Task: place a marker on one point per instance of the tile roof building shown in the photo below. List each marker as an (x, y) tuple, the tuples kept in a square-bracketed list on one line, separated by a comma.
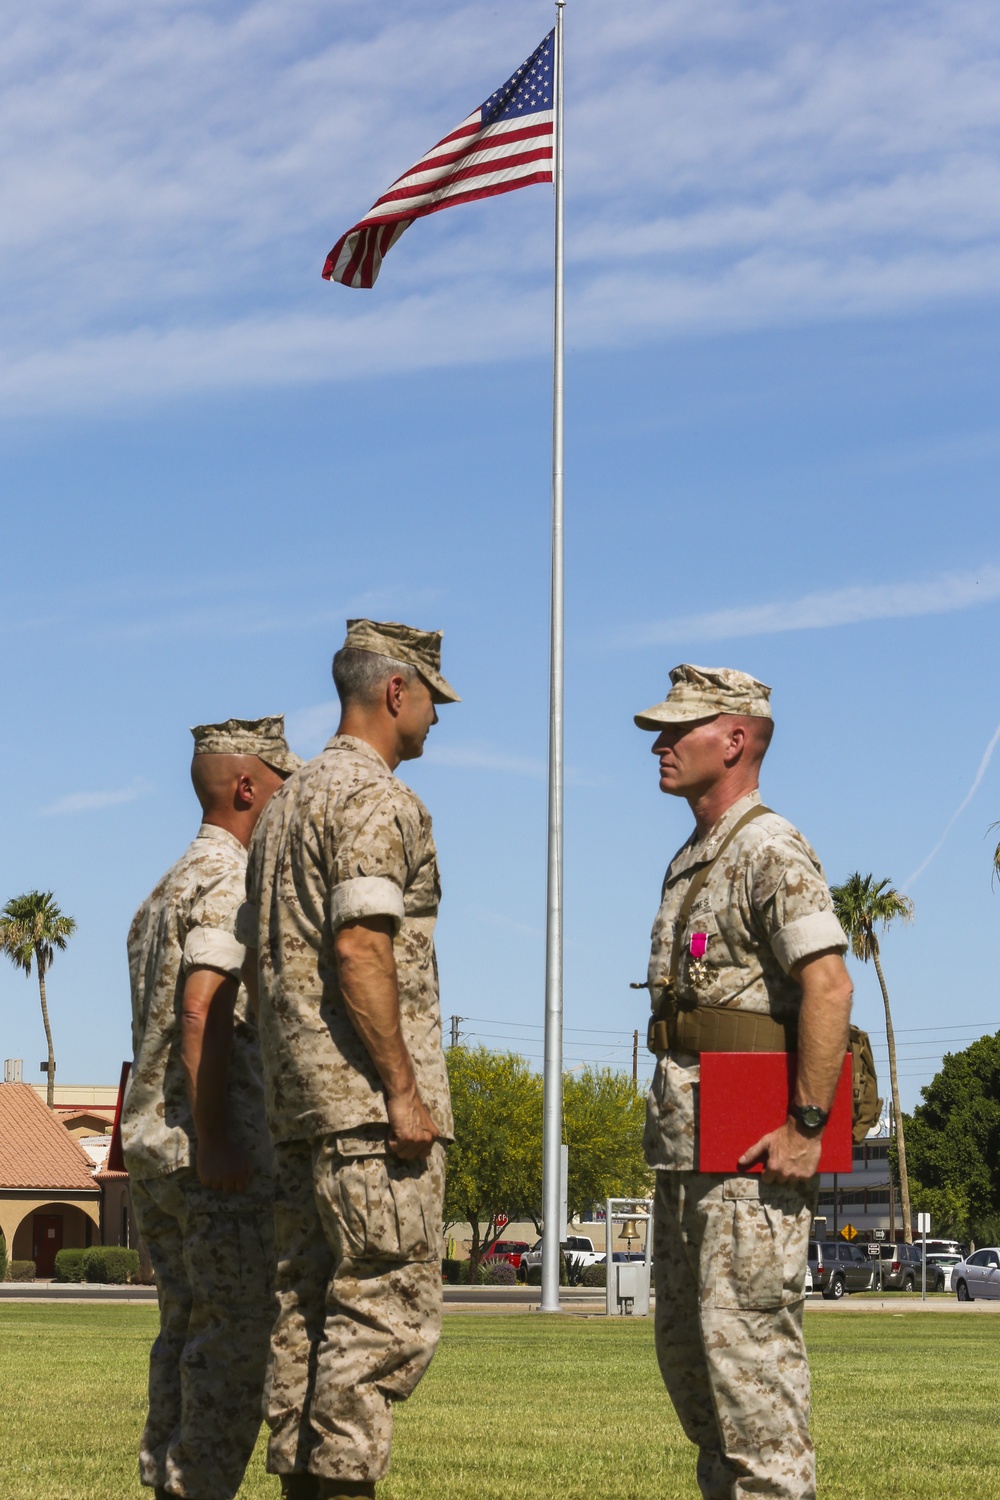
[(49, 1199), (84, 1109)]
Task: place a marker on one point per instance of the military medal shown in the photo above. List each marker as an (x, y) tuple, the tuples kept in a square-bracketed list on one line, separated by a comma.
[(697, 967)]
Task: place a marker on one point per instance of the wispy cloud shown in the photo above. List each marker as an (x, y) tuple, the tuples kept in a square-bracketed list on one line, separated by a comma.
[(481, 758), (849, 606), (80, 802), (500, 919), (960, 809), (798, 162), (308, 729)]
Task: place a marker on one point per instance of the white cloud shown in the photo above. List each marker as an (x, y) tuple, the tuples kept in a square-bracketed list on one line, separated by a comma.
[(78, 802), (480, 758), (849, 606), (175, 174), (308, 729), (960, 809)]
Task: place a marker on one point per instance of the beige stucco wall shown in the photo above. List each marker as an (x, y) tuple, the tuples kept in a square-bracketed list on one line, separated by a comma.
[(15, 1222)]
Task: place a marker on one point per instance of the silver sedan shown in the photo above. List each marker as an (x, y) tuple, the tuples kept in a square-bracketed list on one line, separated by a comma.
[(978, 1275)]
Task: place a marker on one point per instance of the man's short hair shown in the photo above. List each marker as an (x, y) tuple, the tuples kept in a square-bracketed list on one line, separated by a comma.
[(765, 731), (358, 675)]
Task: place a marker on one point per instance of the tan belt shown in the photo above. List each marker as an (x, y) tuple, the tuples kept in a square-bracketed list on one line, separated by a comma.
[(713, 1028)]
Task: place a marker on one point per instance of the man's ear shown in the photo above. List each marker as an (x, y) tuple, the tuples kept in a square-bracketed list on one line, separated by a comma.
[(246, 792), (738, 739), (394, 689)]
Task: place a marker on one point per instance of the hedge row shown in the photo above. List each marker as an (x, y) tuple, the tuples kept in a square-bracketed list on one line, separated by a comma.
[(21, 1270), (109, 1264)]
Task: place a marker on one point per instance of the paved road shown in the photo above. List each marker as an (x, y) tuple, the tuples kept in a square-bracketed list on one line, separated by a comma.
[(583, 1301), (869, 1303)]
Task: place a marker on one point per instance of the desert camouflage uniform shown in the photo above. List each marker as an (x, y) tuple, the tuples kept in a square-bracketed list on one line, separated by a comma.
[(213, 1254), (359, 1231), (730, 1252)]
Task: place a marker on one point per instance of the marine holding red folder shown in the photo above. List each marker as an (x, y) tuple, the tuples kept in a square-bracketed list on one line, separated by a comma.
[(750, 1009)]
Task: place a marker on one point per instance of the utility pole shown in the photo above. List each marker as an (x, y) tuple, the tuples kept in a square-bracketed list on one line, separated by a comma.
[(454, 1029), (635, 1059)]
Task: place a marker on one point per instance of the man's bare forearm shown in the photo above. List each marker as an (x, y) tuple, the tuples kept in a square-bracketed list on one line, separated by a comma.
[(823, 1026), (206, 1042), (366, 968)]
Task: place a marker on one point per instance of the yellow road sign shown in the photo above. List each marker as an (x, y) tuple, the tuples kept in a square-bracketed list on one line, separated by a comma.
[(848, 1232)]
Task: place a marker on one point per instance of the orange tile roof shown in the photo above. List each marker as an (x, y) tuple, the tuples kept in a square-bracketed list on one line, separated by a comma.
[(36, 1150)]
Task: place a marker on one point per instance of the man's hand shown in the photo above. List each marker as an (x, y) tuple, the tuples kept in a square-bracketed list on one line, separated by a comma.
[(366, 968), (412, 1132), (224, 1166), (789, 1154)]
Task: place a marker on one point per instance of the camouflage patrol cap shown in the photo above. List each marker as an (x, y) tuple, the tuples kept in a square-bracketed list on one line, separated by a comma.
[(703, 692), (418, 648), (264, 738)]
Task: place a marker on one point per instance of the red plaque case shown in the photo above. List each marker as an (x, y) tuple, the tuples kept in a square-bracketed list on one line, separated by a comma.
[(743, 1095)]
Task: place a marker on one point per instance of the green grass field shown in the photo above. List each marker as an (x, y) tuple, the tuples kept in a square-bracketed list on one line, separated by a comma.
[(523, 1406)]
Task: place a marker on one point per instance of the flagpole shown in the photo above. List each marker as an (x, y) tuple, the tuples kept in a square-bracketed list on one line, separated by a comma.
[(552, 1109)]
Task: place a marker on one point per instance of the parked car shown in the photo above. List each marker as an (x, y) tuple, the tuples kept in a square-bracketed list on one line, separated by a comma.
[(512, 1251), (978, 1275), (838, 1267), (809, 1282), (577, 1250), (900, 1267), (945, 1247), (939, 1269)]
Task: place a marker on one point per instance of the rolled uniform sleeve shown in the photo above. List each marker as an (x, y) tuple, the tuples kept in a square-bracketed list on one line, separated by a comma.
[(365, 896), (211, 941), (213, 948), (793, 902), (377, 849)]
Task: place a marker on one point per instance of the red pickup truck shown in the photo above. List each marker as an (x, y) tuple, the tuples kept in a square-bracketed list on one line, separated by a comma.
[(510, 1251)]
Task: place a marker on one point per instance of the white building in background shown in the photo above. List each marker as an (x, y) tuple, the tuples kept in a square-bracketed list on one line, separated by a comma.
[(861, 1197)]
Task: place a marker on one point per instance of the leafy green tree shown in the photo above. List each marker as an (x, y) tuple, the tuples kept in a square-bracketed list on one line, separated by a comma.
[(953, 1144), (862, 903), (31, 929), (603, 1118), (495, 1165)]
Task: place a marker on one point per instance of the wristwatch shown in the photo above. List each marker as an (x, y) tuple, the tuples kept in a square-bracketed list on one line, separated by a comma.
[(809, 1116)]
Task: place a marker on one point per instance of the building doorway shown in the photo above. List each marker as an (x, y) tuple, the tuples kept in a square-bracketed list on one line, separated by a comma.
[(46, 1242)]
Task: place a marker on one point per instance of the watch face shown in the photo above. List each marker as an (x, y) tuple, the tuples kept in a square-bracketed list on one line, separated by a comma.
[(811, 1116)]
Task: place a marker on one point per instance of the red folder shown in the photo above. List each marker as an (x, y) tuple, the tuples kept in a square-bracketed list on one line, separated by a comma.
[(744, 1095)]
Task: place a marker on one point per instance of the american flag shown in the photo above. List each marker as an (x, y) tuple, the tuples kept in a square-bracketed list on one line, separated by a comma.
[(505, 144)]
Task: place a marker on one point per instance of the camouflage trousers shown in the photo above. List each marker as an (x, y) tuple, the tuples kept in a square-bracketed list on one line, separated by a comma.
[(729, 1258), (213, 1256), (359, 1291)]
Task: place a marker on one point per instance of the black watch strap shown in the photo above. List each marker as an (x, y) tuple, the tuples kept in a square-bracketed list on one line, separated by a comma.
[(809, 1116)]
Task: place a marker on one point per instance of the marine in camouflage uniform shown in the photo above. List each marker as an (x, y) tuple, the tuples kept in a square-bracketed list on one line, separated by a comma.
[(358, 1224), (211, 1246), (730, 1251)]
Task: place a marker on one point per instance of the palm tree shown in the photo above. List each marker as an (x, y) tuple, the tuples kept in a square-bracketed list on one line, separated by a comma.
[(31, 928), (860, 903)]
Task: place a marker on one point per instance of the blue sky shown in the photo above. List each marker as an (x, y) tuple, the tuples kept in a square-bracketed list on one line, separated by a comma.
[(782, 442)]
